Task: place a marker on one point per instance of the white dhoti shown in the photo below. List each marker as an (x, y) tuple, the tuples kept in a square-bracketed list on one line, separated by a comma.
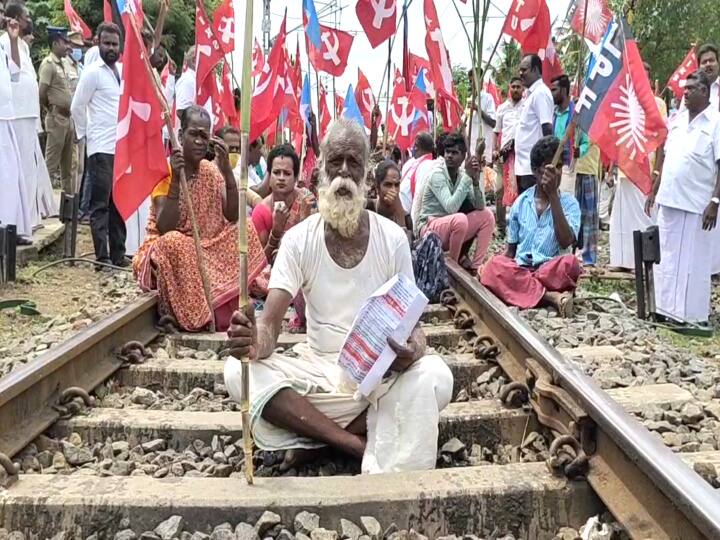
[(682, 279), (715, 240), (37, 180), (136, 227), (403, 413), (567, 180), (14, 205), (605, 202), (628, 215)]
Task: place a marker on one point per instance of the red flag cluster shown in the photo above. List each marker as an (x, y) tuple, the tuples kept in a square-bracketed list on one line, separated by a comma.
[(679, 78)]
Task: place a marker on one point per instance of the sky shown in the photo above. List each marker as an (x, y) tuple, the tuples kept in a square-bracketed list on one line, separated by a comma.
[(373, 62)]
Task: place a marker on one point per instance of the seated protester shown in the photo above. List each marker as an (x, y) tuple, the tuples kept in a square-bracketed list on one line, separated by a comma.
[(387, 203), (445, 192), (231, 136), (167, 260), (542, 224), (303, 400), (286, 206)]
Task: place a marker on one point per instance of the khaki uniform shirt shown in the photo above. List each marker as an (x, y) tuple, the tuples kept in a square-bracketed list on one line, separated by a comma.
[(54, 74), (73, 72)]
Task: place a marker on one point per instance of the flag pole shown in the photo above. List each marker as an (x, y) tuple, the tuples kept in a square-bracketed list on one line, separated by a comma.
[(245, 94), (475, 62), (183, 181), (387, 101)]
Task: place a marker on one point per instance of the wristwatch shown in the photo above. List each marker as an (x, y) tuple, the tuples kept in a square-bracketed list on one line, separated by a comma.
[(715, 200)]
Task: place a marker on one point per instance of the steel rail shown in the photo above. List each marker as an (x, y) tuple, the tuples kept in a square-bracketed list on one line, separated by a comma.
[(30, 395), (652, 492)]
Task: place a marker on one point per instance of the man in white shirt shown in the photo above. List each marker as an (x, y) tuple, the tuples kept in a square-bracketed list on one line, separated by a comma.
[(185, 85), (338, 257), (687, 191), (415, 170), (26, 123), (709, 62), (536, 118), (484, 123), (95, 110), (14, 207), (508, 115)]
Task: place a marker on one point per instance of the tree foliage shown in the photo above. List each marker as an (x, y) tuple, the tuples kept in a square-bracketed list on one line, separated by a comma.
[(506, 65), (462, 83), (178, 34)]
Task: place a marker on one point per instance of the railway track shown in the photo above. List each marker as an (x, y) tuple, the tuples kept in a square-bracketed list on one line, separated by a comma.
[(600, 457)]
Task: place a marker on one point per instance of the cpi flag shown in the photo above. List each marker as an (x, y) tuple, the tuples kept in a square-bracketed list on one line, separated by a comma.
[(617, 107), (679, 78), (139, 153), (377, 18), (595, 22)]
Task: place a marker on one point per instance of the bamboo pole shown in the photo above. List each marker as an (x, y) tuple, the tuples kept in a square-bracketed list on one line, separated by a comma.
[(183, 181), (244, 303), (475, 62), (387, 102)]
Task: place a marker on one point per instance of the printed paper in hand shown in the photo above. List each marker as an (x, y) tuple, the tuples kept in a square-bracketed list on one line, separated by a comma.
[(391, 311)]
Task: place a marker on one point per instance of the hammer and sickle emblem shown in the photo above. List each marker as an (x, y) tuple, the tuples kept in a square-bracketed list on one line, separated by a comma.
[(332, 46)]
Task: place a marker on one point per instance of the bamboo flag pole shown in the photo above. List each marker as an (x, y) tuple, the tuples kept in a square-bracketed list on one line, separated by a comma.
[(246, 96), (183, 181), (387, 102), (475, 62)]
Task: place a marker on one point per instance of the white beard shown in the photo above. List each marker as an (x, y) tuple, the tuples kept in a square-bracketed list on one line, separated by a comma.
[(341, 213)]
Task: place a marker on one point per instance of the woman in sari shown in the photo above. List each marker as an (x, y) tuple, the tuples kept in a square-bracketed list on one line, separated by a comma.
[(167, 260), (286, 206)]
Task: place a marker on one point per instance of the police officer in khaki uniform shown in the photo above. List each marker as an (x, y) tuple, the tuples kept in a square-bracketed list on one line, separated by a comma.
[(55, 98), (74, 66)]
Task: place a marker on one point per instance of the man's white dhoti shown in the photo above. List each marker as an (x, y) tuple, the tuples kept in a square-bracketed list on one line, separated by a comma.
[(715, 240), (682, 279), (403, 413), (628, 215), (37, 180), (136, 226), (14, 206)]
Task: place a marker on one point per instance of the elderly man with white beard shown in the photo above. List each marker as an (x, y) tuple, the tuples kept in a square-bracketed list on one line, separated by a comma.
[(303, 401)]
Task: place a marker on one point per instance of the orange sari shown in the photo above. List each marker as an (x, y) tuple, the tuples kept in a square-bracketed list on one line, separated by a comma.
[(168, 263)]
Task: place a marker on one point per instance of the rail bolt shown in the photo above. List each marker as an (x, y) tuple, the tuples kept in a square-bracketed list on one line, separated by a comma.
[(11, 471), (514, 394), (448, 298), (168, 324), (75, 391), (133, 352), (485, 348), (464, 320), (572, 464)]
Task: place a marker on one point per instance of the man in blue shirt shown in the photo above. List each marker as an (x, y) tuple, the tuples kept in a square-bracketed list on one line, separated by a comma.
[(538, 267)]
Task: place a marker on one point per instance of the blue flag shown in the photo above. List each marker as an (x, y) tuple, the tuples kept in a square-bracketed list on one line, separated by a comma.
[(305, 105), (312, 25), (351, 110)]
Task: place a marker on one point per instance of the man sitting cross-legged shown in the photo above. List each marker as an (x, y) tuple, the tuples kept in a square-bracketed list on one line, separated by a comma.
[(542, 224), (338, 258)]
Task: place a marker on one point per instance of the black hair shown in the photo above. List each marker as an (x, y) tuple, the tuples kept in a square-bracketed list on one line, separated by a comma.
[(515, 78), (424, 142), (396, 153), (382, 169), (193, 110), (284, 150), (708, 48), (257, 143), (56, 36), (454, 139), (543, 152), (535, 62), (701, 77), (563, 81), (108, 28), (440, 143), (15, 10), (227, 129)]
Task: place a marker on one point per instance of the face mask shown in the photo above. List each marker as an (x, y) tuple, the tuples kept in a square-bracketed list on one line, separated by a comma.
[(234, 158), (76, 54)]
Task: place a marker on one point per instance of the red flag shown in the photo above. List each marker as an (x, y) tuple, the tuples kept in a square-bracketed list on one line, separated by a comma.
[(258, 59), (617, 108), (208, 52), (266, 87), (520, 18), (596, 23), (107, 11), (493, 90), (365, 98), (401, 116), (224, 26), (332, 56), (339, 104), (228, 98), (679, 78), (377, 17), (76, 23), (440, 69), (324, 112), (139, 154), (399, 79)]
